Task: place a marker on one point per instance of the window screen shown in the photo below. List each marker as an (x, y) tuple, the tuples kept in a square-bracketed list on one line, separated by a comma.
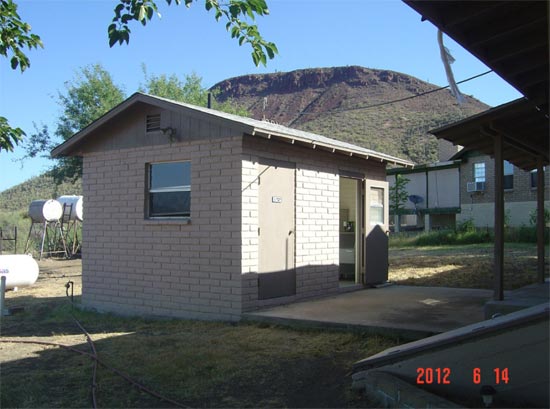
[(170, 189)]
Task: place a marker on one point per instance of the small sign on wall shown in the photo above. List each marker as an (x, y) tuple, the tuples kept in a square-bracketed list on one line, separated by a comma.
[(276, 199)]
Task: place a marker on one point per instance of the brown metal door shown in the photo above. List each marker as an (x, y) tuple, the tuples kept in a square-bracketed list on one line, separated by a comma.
[(276, 261)]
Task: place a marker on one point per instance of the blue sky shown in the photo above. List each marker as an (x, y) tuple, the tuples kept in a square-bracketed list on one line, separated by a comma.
[(384, 34)]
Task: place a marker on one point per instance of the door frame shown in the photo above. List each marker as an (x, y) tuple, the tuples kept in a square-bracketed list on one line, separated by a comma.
[(359, 222)]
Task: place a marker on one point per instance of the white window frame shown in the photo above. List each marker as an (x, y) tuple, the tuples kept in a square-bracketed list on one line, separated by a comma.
[(377, 206), (477, 176)]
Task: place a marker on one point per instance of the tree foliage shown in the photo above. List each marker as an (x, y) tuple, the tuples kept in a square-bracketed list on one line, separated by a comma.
[(15, 35), (87, 97), (398, 194), (9, 137), (234, 12), (190, 91), (91, 94)]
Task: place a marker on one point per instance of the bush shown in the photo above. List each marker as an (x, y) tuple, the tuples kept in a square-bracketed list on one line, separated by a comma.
[(465, 233), (466, 226), (523, 234), (533, 217)]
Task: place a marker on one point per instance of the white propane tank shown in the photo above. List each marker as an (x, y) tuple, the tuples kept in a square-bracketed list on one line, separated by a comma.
[(76, 201), (20, 270), (45, 210)]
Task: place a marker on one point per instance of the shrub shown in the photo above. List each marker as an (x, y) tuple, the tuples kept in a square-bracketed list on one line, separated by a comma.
[(466, 233), (533, 217), (466, 226), (523, 234)]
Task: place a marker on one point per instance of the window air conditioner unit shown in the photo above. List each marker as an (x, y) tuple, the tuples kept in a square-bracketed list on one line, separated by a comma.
[(475, 187)]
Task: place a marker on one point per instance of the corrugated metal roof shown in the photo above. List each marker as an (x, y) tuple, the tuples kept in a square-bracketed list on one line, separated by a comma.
[(252, 126)]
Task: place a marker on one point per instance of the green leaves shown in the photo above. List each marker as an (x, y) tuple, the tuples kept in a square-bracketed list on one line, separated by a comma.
[(127, 11), (236, 12), (9, 137), (398, 193), (190, 91), (15, 35)]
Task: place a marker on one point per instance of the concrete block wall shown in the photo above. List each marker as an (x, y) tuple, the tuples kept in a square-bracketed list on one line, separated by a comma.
[(519, 201), (483, 214), (317, 216), (132, 265)]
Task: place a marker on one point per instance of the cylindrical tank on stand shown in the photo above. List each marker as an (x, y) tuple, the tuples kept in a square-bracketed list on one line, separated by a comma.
[(76, 202), (41, 211), (20, 270)]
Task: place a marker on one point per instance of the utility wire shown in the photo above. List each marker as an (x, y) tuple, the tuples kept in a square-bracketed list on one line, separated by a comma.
[(396, 100)]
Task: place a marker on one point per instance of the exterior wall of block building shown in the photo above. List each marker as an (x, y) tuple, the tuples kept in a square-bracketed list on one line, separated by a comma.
[(316, 216), (204, 267), (519, 201)]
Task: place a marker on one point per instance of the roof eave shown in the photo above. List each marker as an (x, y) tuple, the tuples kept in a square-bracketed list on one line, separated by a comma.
[(333, 148)]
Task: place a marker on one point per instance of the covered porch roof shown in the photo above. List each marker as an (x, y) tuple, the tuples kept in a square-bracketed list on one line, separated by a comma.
[(524, 132), (510, 37)]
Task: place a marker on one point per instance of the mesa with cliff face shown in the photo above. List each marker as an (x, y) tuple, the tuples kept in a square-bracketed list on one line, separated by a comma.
[(352, 104)]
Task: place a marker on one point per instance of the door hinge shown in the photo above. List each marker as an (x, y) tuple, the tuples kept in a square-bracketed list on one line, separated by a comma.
[(258, 231)]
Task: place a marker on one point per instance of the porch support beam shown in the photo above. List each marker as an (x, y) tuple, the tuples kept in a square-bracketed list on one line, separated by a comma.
[(499, 220), (540, 220)]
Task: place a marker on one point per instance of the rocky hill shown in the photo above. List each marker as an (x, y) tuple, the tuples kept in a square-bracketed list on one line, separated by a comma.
[(19, 197), (346, 103), (352, 104)]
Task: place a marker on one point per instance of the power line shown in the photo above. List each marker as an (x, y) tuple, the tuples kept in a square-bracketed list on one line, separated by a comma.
[(396, 100)]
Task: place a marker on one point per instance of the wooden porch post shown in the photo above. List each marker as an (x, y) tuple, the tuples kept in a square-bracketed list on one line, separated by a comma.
[(540, 221), (499, 221)]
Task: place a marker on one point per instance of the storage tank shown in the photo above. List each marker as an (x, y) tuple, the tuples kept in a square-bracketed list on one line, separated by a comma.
[(76, 201), (45, 210), (20, 270)]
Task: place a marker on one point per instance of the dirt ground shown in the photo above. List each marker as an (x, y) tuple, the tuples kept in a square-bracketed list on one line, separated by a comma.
[(54, 275), (253, 366), (200, 364), (48, 290), (468, 266)]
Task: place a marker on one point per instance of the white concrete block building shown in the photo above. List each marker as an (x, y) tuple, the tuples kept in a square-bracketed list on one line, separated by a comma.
[(195, 213)]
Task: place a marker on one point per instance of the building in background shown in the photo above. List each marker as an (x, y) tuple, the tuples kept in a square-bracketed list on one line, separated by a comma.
[(477, 199), (433, 196)]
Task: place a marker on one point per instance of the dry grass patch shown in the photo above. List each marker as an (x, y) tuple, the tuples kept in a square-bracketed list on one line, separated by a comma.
[(468, 266), (200, 364)]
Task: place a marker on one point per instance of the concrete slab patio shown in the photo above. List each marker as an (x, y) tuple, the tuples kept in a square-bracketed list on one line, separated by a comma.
[(410, 312)]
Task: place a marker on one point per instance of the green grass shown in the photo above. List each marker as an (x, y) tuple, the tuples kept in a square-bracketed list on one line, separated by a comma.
[(201, 364), (523, 234)]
